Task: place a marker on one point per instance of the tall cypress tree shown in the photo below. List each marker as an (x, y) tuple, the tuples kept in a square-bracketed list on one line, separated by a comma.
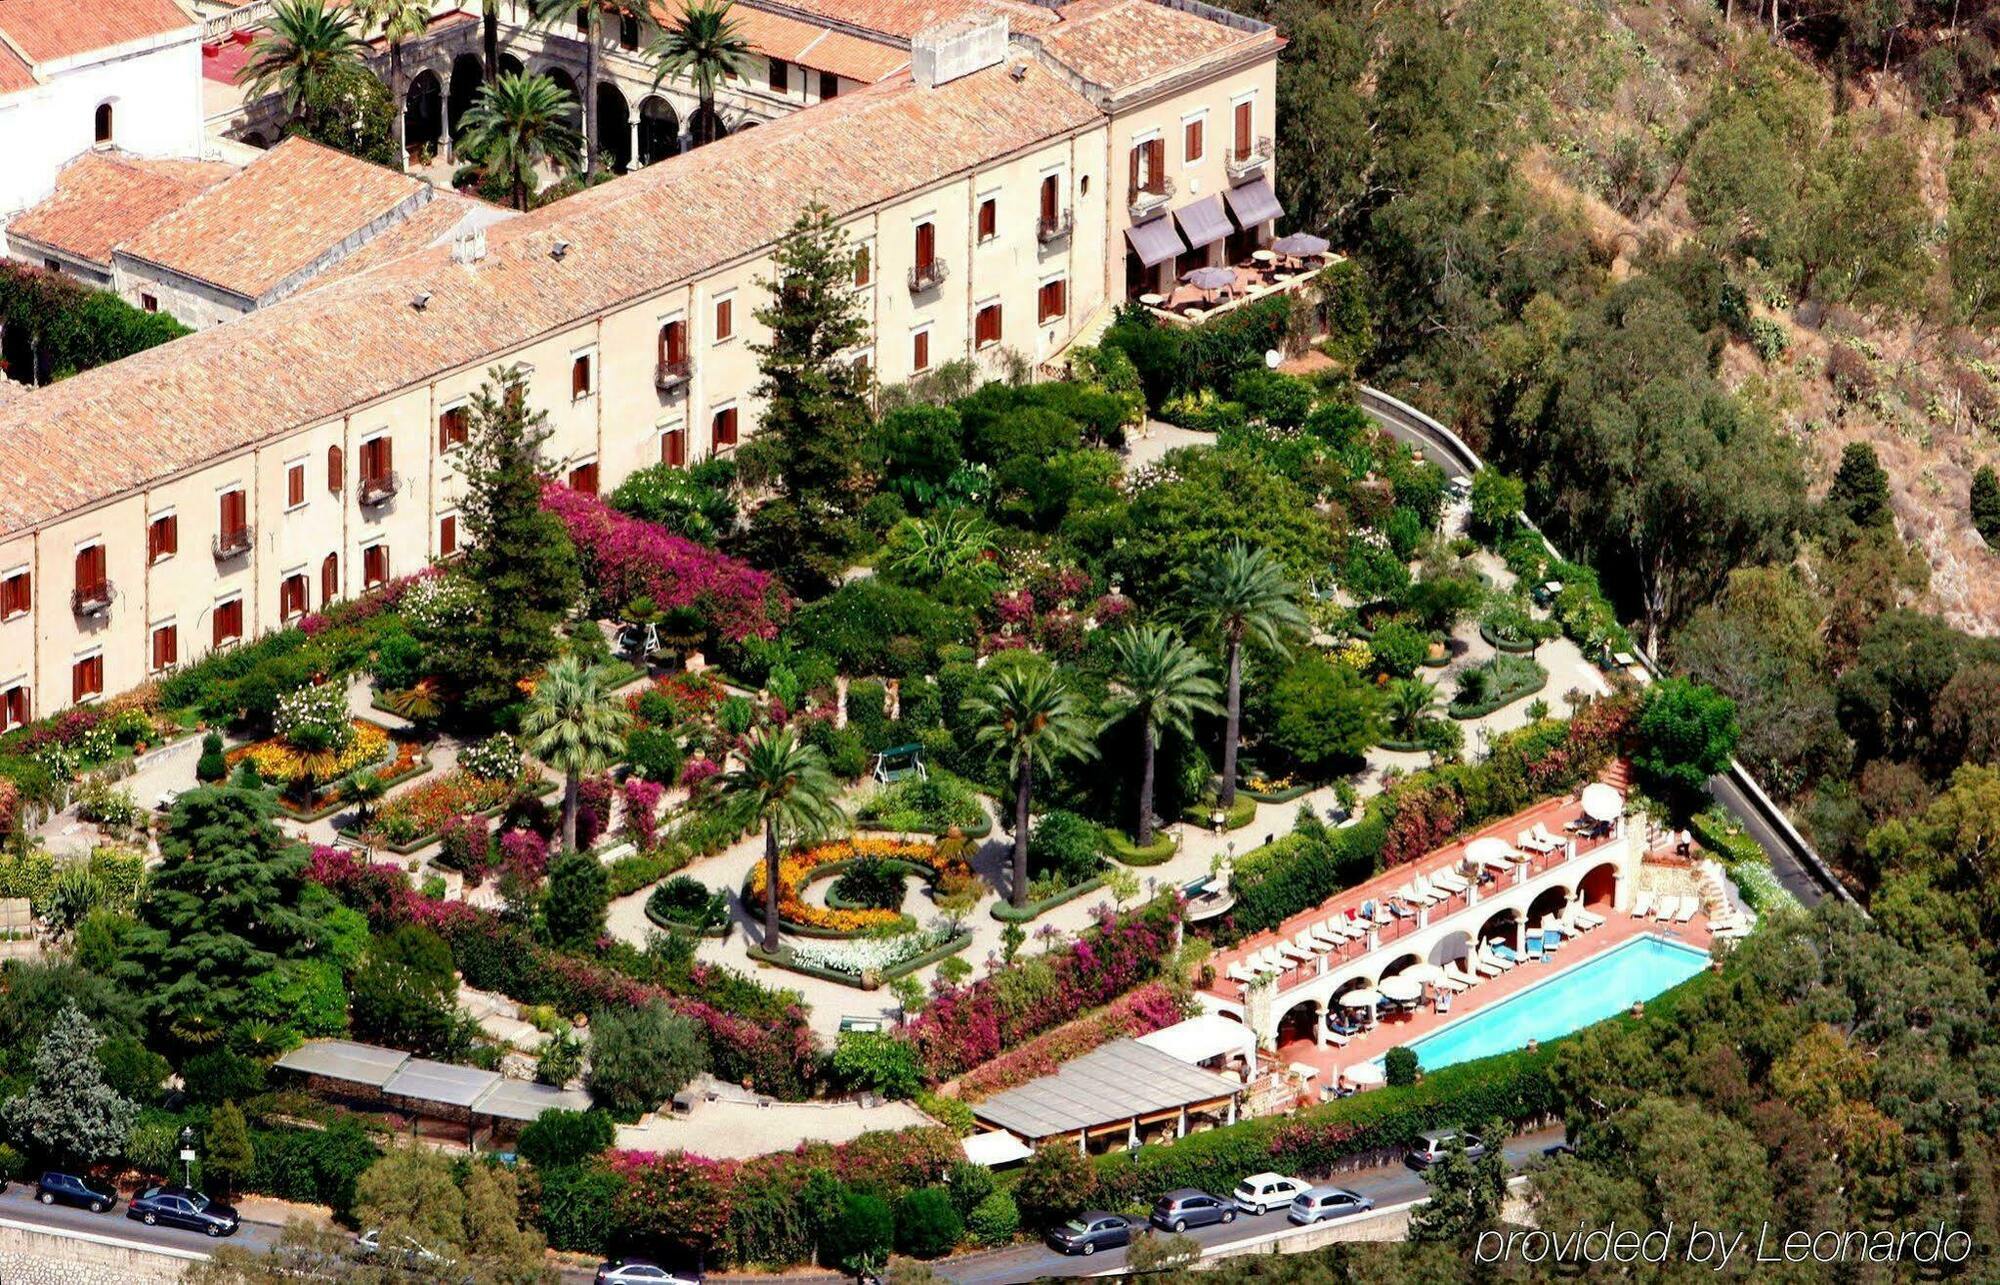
[(1985, 503), (816, 413), (518, 553)]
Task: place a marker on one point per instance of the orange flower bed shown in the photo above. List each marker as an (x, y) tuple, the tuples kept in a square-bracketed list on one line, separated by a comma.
[(802, 867)]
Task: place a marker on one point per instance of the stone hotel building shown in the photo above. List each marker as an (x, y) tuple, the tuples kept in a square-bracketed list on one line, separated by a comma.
[(1033, 167)]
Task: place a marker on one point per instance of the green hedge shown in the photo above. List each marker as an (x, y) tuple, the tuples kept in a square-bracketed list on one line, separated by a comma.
[(1120, 846), (1007, 913), (1501, 699), (1286, 795), (1241, 813), (1304, 869), (1519, 647), (1744, 858)]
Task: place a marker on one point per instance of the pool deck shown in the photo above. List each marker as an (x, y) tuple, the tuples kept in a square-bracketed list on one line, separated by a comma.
[(1404, 1028)]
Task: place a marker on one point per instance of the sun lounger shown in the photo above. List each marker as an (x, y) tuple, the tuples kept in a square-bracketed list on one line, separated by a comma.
[(1238, 973), (1457, 971), (1552, 933), (1689, 907), (1288, 950), (1665, 911), (1643, 906), (1552, 924), (1504, 951), (1542, 833), (1493, 959), (1450, 983), (1336, 1038), (1588, 918), (1449, 880)]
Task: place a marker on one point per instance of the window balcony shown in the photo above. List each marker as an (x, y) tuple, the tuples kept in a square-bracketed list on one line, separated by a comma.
[(379, 490), (1151, 198), (91, 599), (1054, 228), (671, 376), (928, 276), (1247, 162), (233, 543)]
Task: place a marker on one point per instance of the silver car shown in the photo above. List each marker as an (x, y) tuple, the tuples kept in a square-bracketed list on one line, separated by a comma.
[(1323, 1203)]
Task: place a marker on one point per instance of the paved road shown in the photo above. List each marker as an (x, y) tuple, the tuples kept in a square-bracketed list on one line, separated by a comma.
[(18, 1203), (1392, 1184), (1798, 878)]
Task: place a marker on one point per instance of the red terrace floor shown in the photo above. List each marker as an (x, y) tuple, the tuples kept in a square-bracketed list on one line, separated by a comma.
[(1553, 814), (223, 61), (1403, 1028)]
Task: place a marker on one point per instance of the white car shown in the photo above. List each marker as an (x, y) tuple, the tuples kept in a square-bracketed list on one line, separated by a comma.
[(1262, 1192)]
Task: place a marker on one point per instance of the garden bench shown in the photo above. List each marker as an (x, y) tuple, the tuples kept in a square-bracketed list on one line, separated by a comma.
[(617, 851), (899, 762)]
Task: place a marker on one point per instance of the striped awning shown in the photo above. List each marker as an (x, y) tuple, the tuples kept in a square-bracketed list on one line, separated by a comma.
[(1155, 240), (1253, 203), (1203, 222)]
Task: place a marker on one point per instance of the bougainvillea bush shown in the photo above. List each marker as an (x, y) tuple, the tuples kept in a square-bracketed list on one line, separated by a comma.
[(967, 1026), (1152, 1007), (626, 558)]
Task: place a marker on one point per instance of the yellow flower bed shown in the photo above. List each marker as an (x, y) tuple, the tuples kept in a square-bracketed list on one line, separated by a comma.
[(798, 869), (280, 763)]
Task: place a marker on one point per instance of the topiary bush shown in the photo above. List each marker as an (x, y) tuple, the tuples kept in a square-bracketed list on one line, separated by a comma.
[(211, 766), (560, 1138), (994, 1220)]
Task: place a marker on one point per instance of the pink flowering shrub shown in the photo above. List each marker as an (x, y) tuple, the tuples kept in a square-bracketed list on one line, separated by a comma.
[(625, 558), (642, 804), (467, 845), (593, 809), (699, 772), (967, 1026), (524, 854), (1148, 1009)]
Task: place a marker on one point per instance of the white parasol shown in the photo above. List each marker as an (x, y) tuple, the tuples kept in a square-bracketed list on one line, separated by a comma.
[(1429, 974), (1364, 1073), (1361, 997), (1602, 803), (1401, 988), (1492, 850)]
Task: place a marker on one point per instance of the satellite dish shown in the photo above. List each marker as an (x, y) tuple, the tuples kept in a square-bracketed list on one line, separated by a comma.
[(1273, 359)]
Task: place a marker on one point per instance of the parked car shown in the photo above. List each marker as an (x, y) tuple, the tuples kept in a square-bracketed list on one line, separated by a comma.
[(183, 1207), (1323, 1203), (403, 1250), (640, 1271), (1187, 1207), (1091, 1231), (1430, 1148), (1260, 1193), (58, 1188)]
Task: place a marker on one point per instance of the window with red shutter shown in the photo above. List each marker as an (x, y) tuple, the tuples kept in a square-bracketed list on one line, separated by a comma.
[(228, 621), (673, 448), (163, 537), (920, 350), (90, 567), (1050, 197), (579, 377), (14, 707), (864, 267), (725, 321), (166, 647), (16, 597), (1243, 130), (674, 343), (376, 459), (986, 326), (334, 469), (329, 579), (724, 427), (292, 596), (295, 486), (453, 427), (989, 219), (86, 677), (374, 566), (926, 248), (1052, 300), (1191, 142), (584, 478), (447, 535)]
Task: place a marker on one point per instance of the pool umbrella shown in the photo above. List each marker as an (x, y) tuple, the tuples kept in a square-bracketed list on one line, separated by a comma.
[(1210, 279), (1361, 997), (1602, 803), (1402, 988), (1428, 974), (1491, 851), (1301, 245), (1364, 1074)]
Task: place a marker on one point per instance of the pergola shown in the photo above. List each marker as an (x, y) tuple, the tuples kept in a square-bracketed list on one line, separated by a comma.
[(420, 1086), (1120, 1086)]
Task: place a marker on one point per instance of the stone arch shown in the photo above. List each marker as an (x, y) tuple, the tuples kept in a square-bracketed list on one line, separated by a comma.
[(659, 130), (468, 74), (614, 127), (1548, 902), (1599, 886), (706, 125), (509, 65), (1501, 924), (256, 139), (423, 111), (567, 83), (1398, 964), (1299, 1022)]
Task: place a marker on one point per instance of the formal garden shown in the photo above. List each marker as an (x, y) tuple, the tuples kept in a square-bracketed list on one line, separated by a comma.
[(684, 777)]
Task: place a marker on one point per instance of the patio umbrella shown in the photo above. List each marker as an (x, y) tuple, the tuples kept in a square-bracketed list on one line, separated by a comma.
[(1490, 851), (1210, 278), (1602, 803), (1361, 997), (1428, 974), (1401, 988), (1301, 245), (1364, 1073)]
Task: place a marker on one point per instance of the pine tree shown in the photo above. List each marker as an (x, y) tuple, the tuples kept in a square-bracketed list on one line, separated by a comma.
[(229, 1157), (1860, 490), (70, 1112), (1986, 504), (518, 555), (815, 398)]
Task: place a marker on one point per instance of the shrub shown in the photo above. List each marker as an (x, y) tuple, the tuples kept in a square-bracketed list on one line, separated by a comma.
[(877, 1061), (994, 1220), (639, 1059), (687, 902), (465, 845), (497, 758), (1399, 1066), (579, 891), (856, 623), (211, 767), (131, 1069), (1984, 504), (869, 883), (1055, 1183), (926, 1224), (1065, 846), (654, 753), (1399, 649), (222, 1076), (561, 1138)]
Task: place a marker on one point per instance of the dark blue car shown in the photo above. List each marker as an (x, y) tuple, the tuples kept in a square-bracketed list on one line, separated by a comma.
[(183, 1207), (58, 1188)]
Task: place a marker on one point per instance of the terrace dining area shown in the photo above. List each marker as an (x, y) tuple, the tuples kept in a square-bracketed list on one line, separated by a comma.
[(1213, 290)]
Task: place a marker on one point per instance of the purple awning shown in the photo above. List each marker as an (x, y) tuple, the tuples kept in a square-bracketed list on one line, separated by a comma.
[(1253, 203), (1203, 222), (1155, 240)]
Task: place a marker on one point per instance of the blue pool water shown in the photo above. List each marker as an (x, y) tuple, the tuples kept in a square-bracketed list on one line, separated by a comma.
[(1569, 1001)]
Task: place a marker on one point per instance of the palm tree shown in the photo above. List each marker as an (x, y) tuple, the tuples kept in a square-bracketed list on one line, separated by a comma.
[(519, 122), (400, 20), (489, 38), (792, 793), (1240, 593), (1409, 700), (1032, 715), (303, 42), (576, 726), (705, 45), (953, 541), (1166, 683)]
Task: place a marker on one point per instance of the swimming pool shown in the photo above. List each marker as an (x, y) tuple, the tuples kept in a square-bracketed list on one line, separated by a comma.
[(1569, 1001)]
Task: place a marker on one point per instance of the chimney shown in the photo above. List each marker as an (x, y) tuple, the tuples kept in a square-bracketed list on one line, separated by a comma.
[(943, 53), (469, 247)]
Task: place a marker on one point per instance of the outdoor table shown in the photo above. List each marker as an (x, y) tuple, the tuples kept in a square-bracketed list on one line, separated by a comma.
[(1151, 300)]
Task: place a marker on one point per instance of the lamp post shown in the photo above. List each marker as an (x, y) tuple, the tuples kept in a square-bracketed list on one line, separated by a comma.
[(187, 1155)]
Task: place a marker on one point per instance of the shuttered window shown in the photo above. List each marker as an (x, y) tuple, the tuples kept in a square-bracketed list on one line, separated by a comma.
[(163, 537), (166, 647), (986, 326), (228, 621), (16, 595)]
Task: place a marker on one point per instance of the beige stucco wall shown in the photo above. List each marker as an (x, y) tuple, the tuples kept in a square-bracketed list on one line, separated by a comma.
[(618, 424)]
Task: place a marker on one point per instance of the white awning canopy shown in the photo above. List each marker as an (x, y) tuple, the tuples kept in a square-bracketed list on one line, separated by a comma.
[(995, 1149), (1201, 1038), (1155, 241)]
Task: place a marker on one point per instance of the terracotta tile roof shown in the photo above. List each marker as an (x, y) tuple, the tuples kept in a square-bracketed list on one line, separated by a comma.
[(809, 44), (323, 352), (431, 225), (1122, 43), (275, 217), (902, 19), (14, 74), (102, 198), (48, 30)]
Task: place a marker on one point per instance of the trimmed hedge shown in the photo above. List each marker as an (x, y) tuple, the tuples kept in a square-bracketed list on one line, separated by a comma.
[(1241, 813), (1120, 847), (1519, 647), (1007, 913)]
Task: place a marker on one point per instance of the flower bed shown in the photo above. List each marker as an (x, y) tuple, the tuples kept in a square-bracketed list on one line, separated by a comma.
[(828, 859), (1241, 813), (926, 805), (413, 818), (686, 904), (1513, 678), (1147, 1009), (866, 962), (1282, 790), (409, 763), (278, 763)]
